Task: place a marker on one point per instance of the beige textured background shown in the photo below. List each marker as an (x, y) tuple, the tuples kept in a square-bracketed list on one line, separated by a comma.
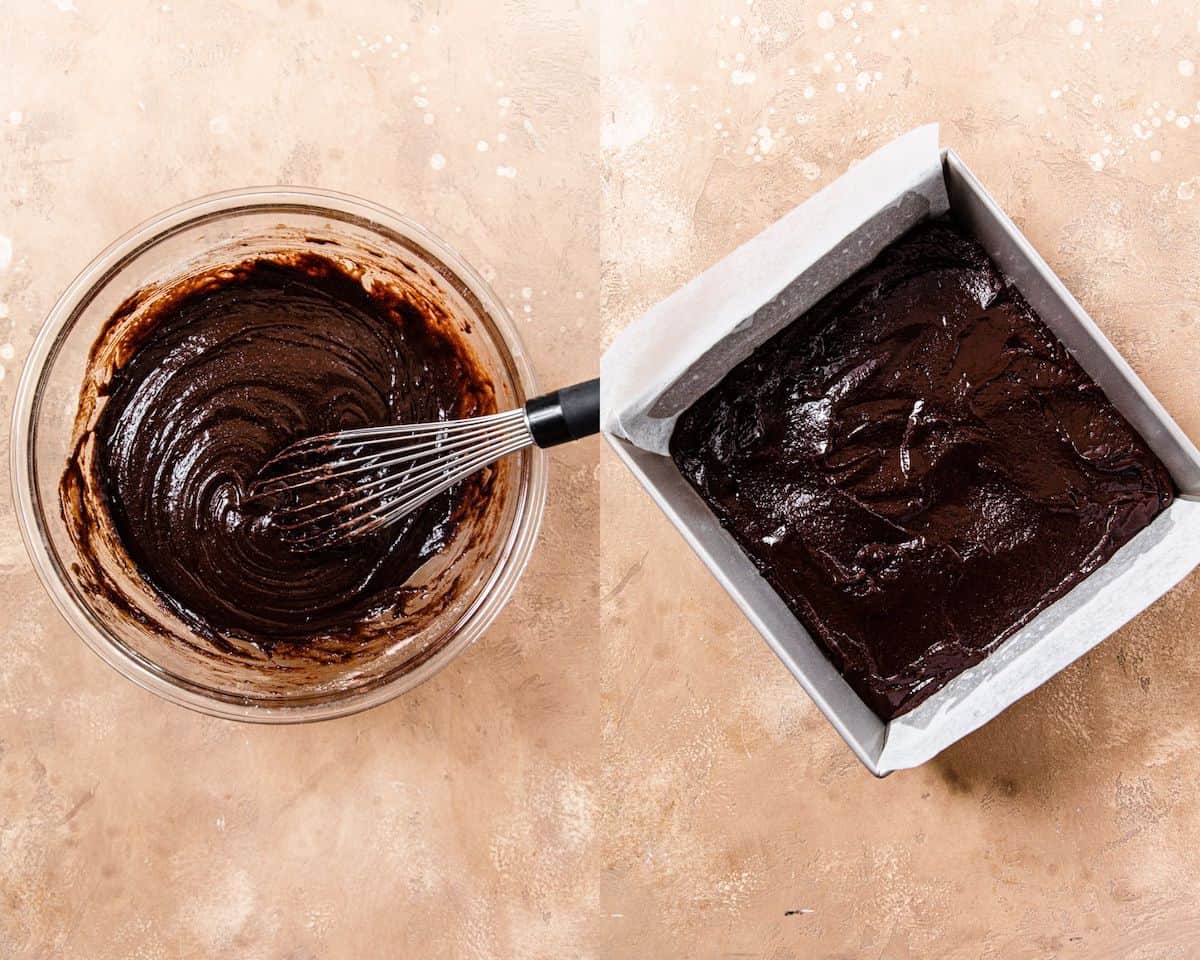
[(737, 824), (456, 822), (620, 768)]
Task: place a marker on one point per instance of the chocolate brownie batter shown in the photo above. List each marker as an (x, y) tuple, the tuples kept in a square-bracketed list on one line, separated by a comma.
[(918, 467), (214, 379)]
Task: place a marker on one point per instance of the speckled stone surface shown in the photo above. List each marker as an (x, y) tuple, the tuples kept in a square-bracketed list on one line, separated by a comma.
[(620, 768), (736, 822), (460, 820)]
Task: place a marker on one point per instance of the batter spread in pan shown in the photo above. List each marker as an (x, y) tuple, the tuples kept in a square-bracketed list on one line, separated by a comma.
[(185, 403), (918, 467)]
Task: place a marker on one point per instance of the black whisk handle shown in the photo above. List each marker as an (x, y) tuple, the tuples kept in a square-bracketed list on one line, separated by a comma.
[(566, 414)]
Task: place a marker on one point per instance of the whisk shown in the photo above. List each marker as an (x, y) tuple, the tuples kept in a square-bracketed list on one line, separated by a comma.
[(335, 487)]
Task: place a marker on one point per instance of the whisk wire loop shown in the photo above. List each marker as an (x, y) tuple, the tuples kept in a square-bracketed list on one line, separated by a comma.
[(338, 486)]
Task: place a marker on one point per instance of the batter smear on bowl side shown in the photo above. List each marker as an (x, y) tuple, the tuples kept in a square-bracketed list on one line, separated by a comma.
[(918, 467)]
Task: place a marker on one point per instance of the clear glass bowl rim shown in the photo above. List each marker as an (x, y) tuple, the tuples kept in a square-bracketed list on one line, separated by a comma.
[(503, 579)]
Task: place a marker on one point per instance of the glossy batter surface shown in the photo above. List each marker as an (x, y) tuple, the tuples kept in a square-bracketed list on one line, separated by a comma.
[(223, 375), (918, 467)]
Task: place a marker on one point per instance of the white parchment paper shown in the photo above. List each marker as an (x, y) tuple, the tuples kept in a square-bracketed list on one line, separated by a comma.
[(663, 362), (1134, 577)]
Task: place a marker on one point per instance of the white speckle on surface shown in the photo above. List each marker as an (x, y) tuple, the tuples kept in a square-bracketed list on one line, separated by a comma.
[(66, 6), (5, 253), (1155, 156), (15, 117), (862, 81), (482, 146), (578, 294), (421, 102), (1183, 121), (437, 161), (3, 311), (825, 20), (219, 124), (218, 915), (866, 6), (508, 172), (741, 78), (526, 293), (841, 88), (1187, 68), (7, 352), (735, 21), (1075, 27), (809, 93), (1097, 161), (630, 124)]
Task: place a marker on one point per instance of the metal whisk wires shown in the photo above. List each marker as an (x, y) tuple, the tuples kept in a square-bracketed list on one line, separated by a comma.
[(331, 488), (337, 486)]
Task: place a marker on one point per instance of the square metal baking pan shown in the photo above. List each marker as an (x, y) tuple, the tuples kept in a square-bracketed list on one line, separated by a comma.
[(862, 730)]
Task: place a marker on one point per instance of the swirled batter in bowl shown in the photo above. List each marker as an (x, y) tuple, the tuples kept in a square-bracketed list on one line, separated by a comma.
[(918, 467), (197, 390)]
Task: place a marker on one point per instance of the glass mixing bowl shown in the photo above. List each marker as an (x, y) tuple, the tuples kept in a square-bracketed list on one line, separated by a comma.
[(481, 566)]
